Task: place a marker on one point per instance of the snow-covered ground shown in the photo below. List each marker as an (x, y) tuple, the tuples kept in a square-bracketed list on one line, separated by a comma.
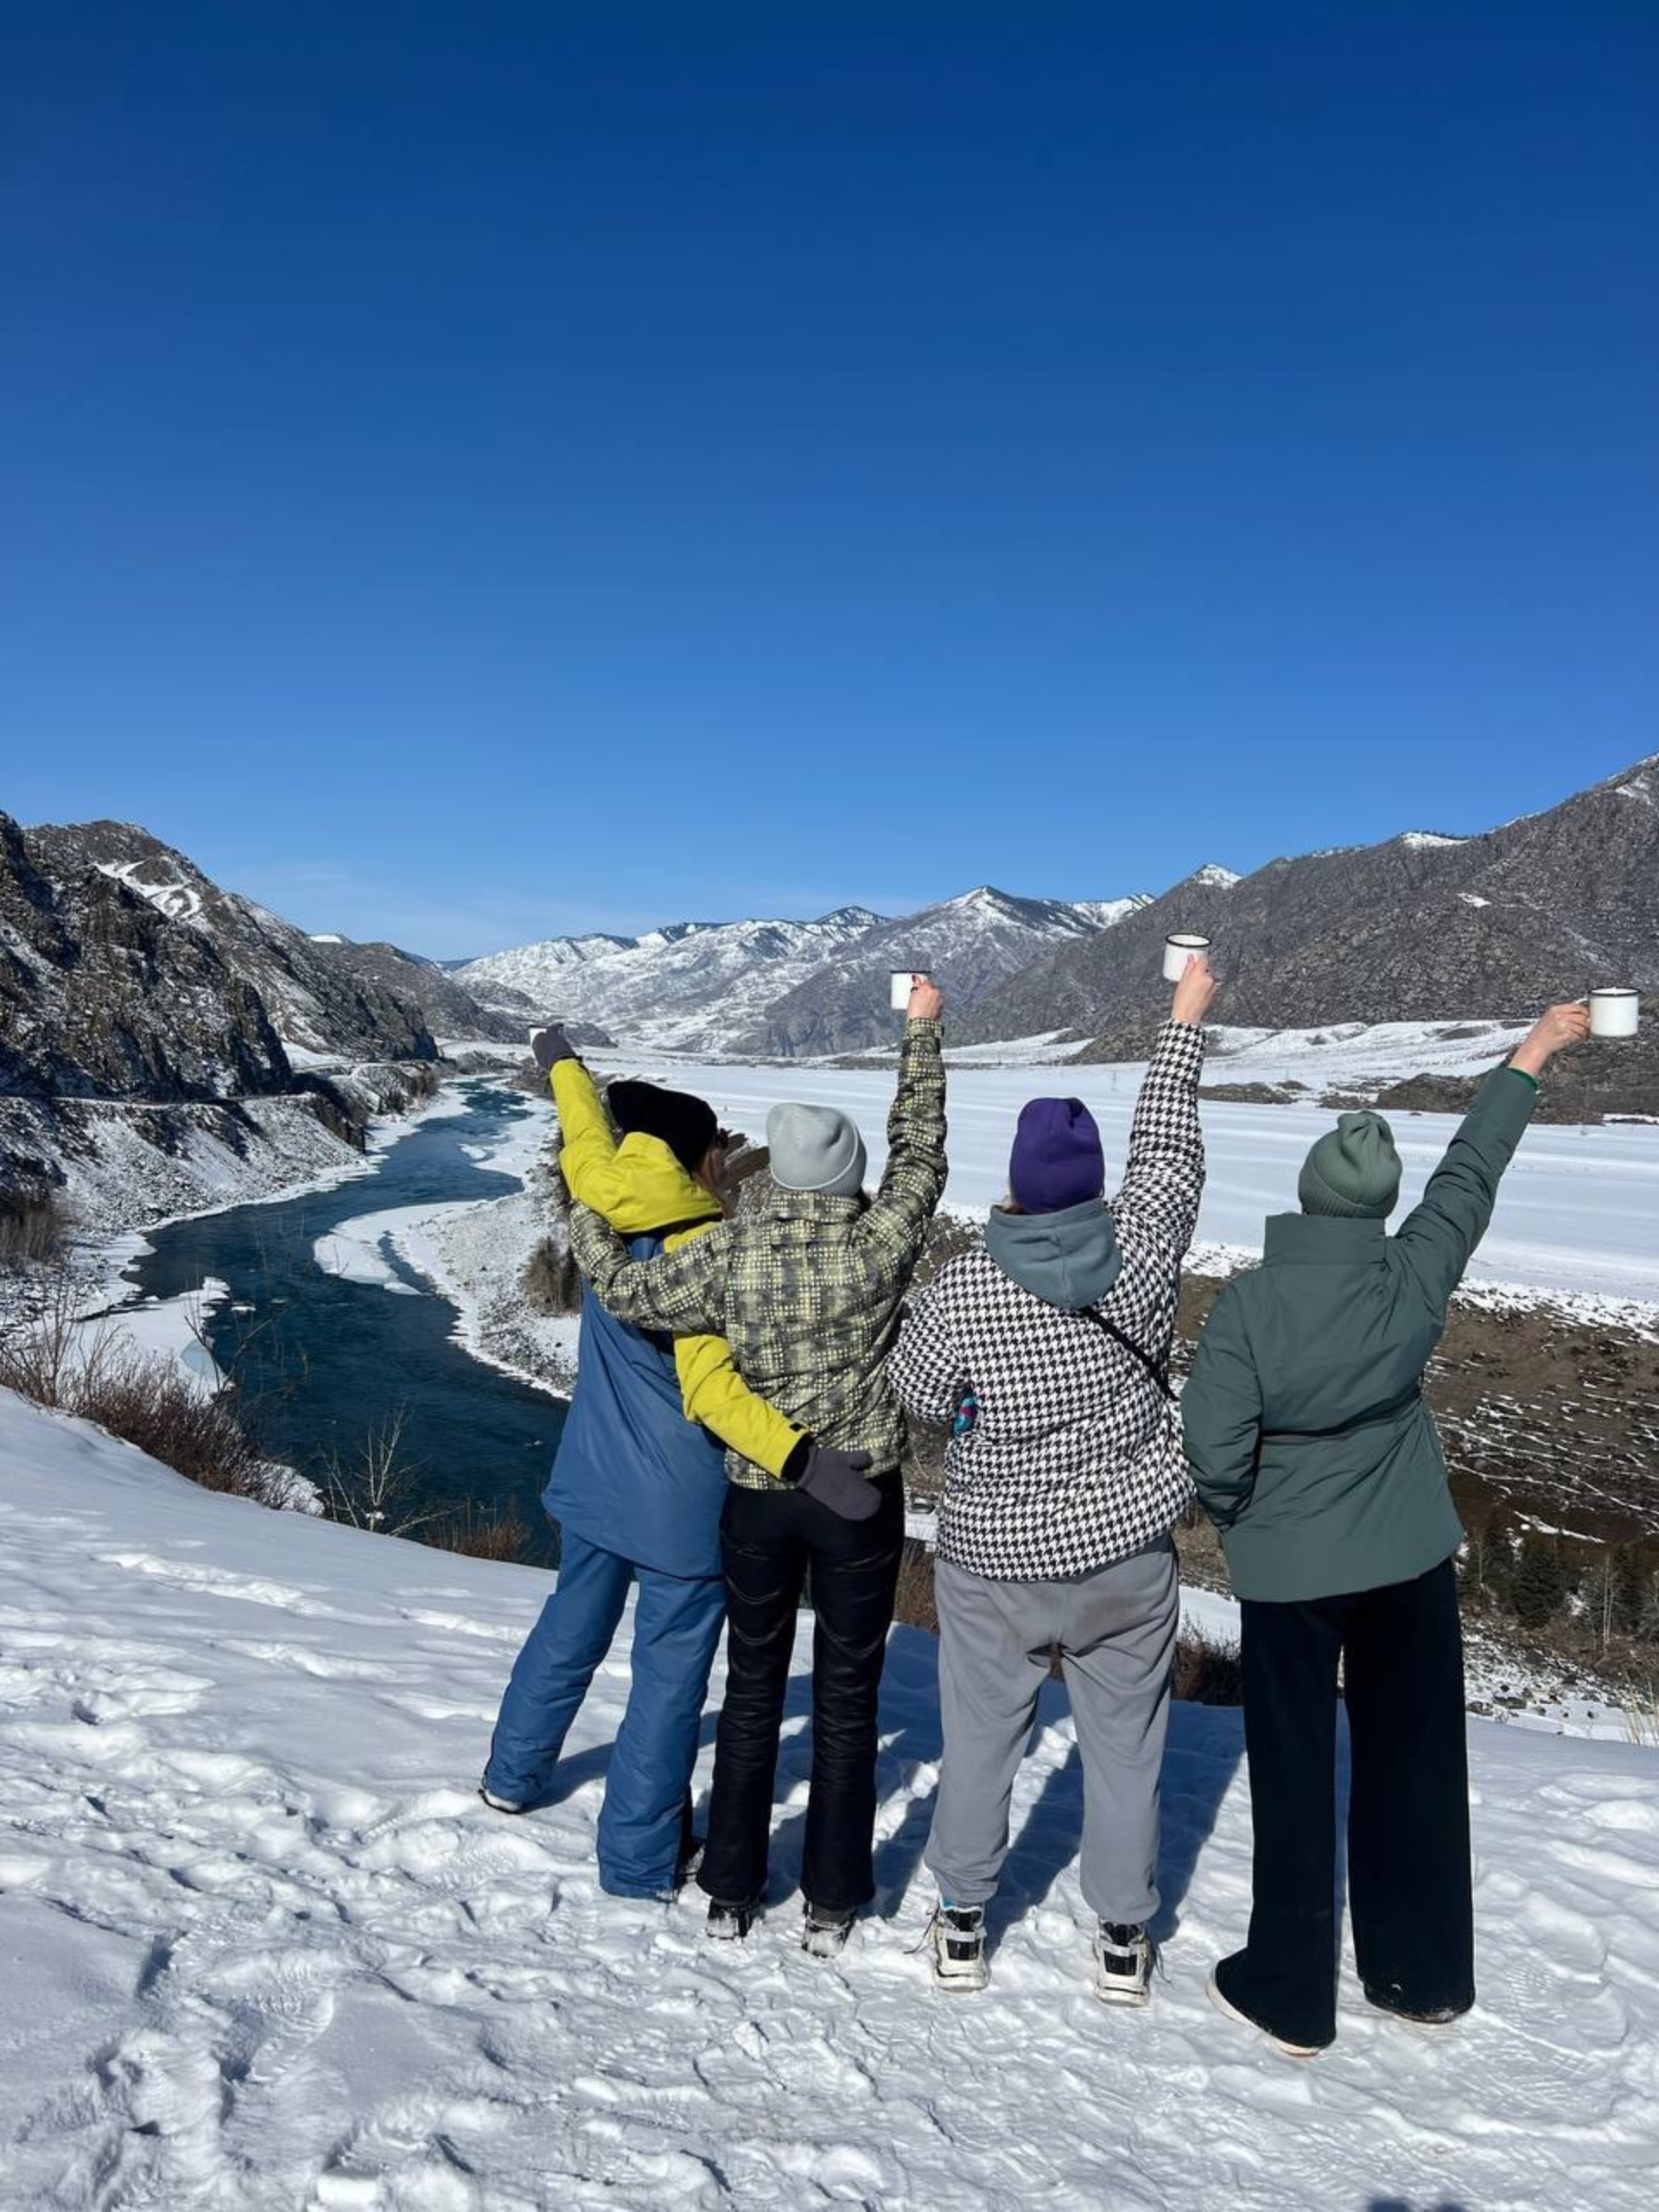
[(263, 1947), (1578, 1212)]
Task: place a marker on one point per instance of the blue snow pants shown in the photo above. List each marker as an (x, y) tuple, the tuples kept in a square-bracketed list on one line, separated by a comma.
[(676, 1624)]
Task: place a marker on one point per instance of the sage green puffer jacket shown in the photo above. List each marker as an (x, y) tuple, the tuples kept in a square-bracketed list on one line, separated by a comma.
[(1309, 1440)]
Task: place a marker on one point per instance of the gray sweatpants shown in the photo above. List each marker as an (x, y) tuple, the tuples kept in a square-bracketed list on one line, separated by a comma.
[(1116, 1631)]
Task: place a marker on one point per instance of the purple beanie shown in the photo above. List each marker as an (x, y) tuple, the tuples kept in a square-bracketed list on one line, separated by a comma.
[(1057, 1160)]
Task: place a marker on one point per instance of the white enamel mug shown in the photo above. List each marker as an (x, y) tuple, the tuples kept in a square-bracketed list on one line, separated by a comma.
[(1177, 951), (899, 991), (1614, 1012)]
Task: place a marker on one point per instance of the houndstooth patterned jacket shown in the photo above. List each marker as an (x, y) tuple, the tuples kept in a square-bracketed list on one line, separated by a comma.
[(808, 1289), (1075, 1459)]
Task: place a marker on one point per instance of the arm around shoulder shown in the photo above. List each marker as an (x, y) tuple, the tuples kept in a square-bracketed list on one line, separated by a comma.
[(681, 1291)]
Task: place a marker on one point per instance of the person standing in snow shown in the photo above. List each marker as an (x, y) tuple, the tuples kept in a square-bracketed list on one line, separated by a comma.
[(807, 1289), (1049, 1345), (637, 1488), (1317, 1458)]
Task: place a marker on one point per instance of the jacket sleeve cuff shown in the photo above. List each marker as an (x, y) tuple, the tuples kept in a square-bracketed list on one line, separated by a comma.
[(1510, 1068), (1179, 1051)]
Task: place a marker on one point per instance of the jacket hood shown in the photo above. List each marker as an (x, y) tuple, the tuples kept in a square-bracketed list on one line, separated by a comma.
[(1069, 1258), (652, 1191)]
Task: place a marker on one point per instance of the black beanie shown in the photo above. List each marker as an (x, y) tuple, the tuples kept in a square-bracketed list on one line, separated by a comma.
[(686, 1125)]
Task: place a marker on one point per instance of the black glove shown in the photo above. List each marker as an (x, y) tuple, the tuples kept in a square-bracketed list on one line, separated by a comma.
[(550, 1046), (838, 1480)]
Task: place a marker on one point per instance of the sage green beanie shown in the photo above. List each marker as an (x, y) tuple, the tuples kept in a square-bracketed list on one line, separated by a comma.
[(1354, 1170)]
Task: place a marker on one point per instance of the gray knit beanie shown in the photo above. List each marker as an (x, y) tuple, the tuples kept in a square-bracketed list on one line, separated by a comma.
[(816, 1148), (1353, 1170)]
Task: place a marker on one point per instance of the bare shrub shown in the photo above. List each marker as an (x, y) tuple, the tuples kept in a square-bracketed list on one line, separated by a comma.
[(482, 1532), (34, 1226), (915, 1605), (378, 1488), (1207, 1674), (91, 1370), (53, 1358), (147, 1399), (551, 1281)]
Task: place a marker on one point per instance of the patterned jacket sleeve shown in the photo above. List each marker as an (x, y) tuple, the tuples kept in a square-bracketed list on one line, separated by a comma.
[(913, 1181), (927, 1368), (683, 1291), (1164, 1181)]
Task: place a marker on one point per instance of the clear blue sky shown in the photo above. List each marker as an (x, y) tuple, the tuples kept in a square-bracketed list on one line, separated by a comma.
[(474, 472)]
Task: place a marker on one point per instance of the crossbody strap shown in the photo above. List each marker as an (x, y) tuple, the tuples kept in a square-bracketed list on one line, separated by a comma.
[(1159, 1372)]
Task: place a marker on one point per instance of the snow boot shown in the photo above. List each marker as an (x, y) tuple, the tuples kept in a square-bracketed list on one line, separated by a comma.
[(499, 1804), (823, 1933), (1432, 2022), (730, 1923), (1213, 1992), (958, 1935), (1123, 1963)]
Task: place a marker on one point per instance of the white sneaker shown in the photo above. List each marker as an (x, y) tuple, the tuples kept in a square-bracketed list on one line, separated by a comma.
[(1212, 1991), (958, 1935), (1123, 1963), (499, 1804)]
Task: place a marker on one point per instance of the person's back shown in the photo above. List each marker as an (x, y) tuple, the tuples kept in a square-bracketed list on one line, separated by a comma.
[(1048, 1343), (637, 1487), (807, 1291), (1061, 1321), (1314, 1453), (1309, 1439)]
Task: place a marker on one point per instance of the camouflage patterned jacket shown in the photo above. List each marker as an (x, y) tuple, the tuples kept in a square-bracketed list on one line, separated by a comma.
[(807, 1289)]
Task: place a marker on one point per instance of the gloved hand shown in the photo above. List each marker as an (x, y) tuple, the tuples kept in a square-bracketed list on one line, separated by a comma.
[(838, 1479), (551, 1045)]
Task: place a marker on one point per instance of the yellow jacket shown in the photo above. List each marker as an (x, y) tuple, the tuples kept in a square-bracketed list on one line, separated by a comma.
[(640, 1186)]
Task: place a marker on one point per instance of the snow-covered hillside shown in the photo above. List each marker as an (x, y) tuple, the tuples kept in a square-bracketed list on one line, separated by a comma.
[(263, 1948), (693, 985), (781, 986)]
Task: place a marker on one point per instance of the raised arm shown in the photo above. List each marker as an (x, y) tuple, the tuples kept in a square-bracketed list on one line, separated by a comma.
[(925, 1367), (913, 1182), (1163, 1182), (587, 1148), (1439, 1236), (1221, 1412), (680, 1292)]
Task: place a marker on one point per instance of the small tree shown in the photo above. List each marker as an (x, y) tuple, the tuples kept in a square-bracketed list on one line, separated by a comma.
[(1541, 1582)]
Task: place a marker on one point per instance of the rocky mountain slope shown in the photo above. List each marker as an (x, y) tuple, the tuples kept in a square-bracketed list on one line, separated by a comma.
[(1424, 926), (150, 1026), (315, 999), (108, 991), (447, 1008)]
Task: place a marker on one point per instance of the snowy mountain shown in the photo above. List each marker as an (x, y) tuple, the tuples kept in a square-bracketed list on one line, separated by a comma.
[(782, 987), (265, 1949), (969, 944), (693, 987)]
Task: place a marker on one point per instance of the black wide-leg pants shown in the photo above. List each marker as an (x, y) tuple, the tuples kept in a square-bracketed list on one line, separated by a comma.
[(770, 1541), (1410, 1882)]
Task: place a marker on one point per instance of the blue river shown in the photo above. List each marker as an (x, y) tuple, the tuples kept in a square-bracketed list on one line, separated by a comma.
[(324, 1363)]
